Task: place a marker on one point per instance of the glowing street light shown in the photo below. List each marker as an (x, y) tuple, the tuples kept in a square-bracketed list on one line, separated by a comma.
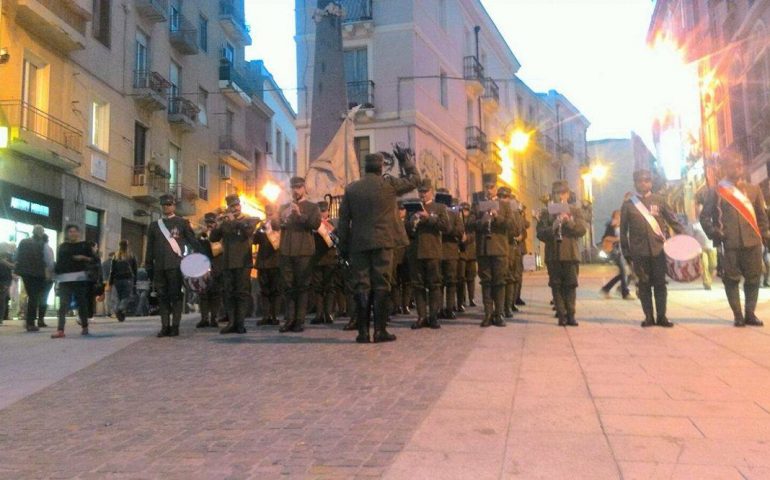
[(4, 137), (598, 172), (271, 191), (519, 141)]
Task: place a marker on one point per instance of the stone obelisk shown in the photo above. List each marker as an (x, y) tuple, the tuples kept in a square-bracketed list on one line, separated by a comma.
[(330, 103)]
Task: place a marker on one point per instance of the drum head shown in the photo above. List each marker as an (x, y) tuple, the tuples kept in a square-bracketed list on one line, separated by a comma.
[(682, 248), (195, 265)]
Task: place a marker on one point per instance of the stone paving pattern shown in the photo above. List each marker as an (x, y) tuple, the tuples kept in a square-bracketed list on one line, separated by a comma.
[(604, 400)]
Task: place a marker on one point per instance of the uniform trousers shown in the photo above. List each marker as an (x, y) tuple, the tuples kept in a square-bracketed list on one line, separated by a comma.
[(168, 286), (296, 274), (426, 284), (563, 280)]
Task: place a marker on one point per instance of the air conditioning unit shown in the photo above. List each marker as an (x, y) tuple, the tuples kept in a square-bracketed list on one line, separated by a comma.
[(225, 171)]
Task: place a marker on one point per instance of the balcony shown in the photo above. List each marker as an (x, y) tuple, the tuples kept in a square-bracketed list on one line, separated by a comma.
[(37, 134), (233, 22), (185, 199), (235, 85), (545, 147), (153, 10), (475, 141), (233, 154), (361, 93), (490, 99), (567, 147), (55, 22), (182, 114), (183, 35), (495, 155), (473, 73), (150, 90), (148, 183), (358, 21)]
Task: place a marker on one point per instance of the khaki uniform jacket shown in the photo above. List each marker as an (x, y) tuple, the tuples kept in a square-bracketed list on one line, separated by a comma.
[(236, 237), (159, 255), (450, 241), (267, 256), (737, 232), (368, 211), (568, 249), (637, 238), (297, 230), (493, 241), (426, 238), (216, 262), (469, 246)]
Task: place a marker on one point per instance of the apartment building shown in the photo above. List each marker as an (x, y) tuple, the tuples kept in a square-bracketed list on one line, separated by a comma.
[(107, 105)]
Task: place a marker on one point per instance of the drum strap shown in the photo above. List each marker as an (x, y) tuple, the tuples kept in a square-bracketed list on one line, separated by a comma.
[(171, 240), (732, 195), (642, 208)]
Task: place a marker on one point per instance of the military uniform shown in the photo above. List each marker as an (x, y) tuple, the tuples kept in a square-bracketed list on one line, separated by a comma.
[(492, 256), (268, 273), (518, 272), (467, 267), (297, 250), (450, 258), (368, 233), (210, 301), (514, 256), (643, 247), (400, 291), (163, 266), (324, 269), (562, 256), (741, 244)]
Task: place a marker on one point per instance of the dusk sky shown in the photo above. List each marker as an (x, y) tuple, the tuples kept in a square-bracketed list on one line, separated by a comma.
[(592, 51)]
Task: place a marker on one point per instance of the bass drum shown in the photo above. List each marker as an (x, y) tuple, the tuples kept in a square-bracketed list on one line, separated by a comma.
[(683, 258), (196, 271)]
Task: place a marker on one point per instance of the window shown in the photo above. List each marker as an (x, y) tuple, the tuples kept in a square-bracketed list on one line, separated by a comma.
[(140, 145), (278, 148), (356, 65), (442, 14), (34, 93), (203, 181), (469, 112), (294, 161), (101, 21), (100, 125), (228, 53), (203, 33), (362, 146), (141, 61), (203, 97), (229, 122), (287, 155), (174, 154), (174, 76), (93, 225), (444, 90)]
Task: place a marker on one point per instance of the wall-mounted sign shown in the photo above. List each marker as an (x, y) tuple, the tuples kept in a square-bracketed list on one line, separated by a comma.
[(31, 207), (99, 167)]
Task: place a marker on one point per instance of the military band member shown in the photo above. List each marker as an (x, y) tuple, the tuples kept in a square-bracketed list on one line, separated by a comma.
[(645, 218), (367, 234), (450, 257), (167, 239), (425, 229), (210, 301), (492, 228), (560, 233), (734, 217), (518, 274), (504, 194), (401, 291), (298, 220), (324, 268), (467, 268), (267, 239), (236, 232)]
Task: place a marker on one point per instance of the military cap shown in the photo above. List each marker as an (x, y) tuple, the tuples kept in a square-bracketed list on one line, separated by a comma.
[(560, 186), (167, 199), (323, 205), (297, 182), (374, 160), (232, 199), (425, 185), (642, 174), (210, 217), (442, 190), (489, 179)]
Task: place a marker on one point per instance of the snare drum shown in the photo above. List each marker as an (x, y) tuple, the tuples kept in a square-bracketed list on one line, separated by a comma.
[(683, 258), (196, 270)]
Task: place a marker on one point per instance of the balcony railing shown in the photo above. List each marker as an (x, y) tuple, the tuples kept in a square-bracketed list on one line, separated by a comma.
[(154, 10), (491, 90), (357, 10), (145, 79), (150, 176), (228, 142), (182, 34), (70, 17), (182, 192), (567, 147), (475, 139), (182, 106), (228, 72), (233, 20), (25, 117), (361, 93), (203, 193), (472, 69)]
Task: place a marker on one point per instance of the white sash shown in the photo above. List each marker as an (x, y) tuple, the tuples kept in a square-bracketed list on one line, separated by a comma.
[(171, 241), (642, 208), (748, 208)]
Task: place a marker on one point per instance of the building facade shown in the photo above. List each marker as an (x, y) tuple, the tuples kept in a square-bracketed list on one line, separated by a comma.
[(108, 105)]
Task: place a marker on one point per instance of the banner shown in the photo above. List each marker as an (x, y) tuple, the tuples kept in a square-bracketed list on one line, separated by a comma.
[(336, 167)]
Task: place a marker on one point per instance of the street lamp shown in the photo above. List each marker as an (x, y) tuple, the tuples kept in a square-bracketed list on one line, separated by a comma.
[(271, 191), (519, 141)]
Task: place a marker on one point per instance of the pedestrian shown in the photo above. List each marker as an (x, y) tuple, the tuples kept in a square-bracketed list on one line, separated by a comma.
[(611, 242), (708, 256), (49, 281), (142, 292), (268, 239), (211, 299), (30, 266), (734, 216), (167, 239), (108, 300), (74, 259), (236, 232), (298, 220), (122, 278), (368, 234), (560, 227), (6, 278), (645, 221)]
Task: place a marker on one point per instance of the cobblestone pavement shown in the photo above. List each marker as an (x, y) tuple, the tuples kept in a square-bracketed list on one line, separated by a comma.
[(605, 400)]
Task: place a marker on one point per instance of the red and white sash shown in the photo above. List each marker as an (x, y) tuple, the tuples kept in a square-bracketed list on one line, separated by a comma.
[(732, 195), (642, 208)]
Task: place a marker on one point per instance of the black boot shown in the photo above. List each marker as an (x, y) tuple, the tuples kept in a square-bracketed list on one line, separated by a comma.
[(570, 294), (661, 298), (751, 292), (421, 302), (420, 323), (351, 325), (508, 305), (176, 318), (498, 297), (362, 310), (486, 294), (451, 301), (436, 299), (164, 320), (381, 306), (461, 296), (319, 309), (265, 307), (645, 297), (288, 321), (471, 284), (558, 305), (733, 294), (299, 318)]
